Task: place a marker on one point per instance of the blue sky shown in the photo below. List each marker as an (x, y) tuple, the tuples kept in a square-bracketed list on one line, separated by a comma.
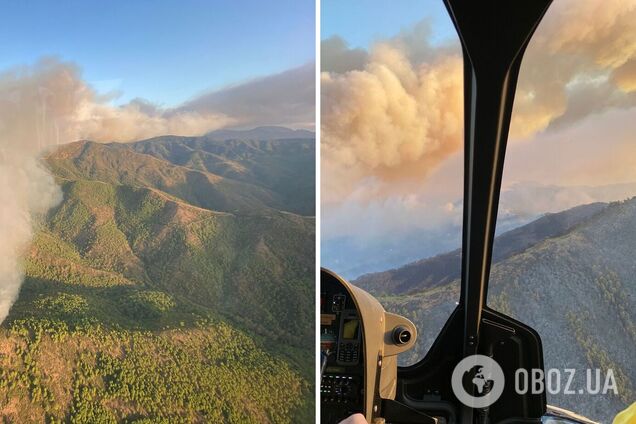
[(361, 22), (164, 51)]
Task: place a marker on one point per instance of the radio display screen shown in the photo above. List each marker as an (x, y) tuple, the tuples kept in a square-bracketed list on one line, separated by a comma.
[(350, 329)]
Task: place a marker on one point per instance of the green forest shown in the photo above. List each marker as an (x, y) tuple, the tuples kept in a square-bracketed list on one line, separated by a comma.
[(164, 292)]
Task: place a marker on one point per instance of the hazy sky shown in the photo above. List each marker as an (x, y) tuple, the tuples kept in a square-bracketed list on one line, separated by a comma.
[(362, 22), (166, 51), (129, 70), (392, 124)]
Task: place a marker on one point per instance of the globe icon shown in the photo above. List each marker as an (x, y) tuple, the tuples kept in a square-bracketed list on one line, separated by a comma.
[(476, 381)]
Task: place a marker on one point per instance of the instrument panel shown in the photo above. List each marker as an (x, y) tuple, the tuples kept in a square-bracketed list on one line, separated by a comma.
[(341, 345)]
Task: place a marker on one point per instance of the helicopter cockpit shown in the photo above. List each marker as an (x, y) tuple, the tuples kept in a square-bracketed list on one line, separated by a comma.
[(341, 348), (360, 341), (359, 368)]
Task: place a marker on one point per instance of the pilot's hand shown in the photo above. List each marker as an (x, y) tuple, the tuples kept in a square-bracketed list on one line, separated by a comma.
[(355, 419)]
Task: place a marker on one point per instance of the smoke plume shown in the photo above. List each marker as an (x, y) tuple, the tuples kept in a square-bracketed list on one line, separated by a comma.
[(396, 113), (53, 97), (26, 188), (287, 98), (46, 105)]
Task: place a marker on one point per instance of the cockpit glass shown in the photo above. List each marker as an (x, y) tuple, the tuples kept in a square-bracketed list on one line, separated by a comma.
[(563, 260), (392, 156)]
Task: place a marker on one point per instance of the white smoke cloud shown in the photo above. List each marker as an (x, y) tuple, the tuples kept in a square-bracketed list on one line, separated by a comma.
[(51, 102), (287, 98), (395, 115), (392, 121), (26, 190)]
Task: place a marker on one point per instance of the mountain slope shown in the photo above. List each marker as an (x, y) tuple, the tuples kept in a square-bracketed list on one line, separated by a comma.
[(440, 269), (576, 289), (281, 166), (104, 235), (117, 164), (265, 133), (157, 292)]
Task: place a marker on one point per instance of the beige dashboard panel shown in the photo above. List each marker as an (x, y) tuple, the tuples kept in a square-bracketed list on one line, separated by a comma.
[(380, 348)]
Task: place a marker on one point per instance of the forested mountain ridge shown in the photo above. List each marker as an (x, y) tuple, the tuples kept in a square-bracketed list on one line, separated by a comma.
[(575, 287), (163, 292), (446, 267), (234, 175)]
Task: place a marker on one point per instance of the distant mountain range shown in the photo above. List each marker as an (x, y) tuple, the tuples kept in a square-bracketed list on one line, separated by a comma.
[(442, 269), (234, 175), (191, 255), (267, 133), (521, 203), (569, 275)]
